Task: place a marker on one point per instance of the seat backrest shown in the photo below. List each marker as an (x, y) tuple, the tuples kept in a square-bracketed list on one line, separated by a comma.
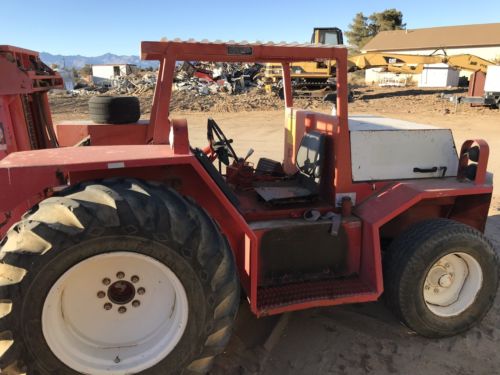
[(310, 154)]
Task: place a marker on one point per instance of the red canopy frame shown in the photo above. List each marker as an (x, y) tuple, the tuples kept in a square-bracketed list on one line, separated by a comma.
[(169, 52)]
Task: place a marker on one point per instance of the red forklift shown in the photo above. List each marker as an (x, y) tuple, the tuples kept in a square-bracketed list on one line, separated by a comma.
[(124, 249)]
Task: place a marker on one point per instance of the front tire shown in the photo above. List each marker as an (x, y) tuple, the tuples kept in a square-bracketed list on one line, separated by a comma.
[(115, 277), (441, 277)]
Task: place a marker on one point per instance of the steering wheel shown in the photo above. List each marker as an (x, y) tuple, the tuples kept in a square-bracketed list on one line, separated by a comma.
[(220, 147)]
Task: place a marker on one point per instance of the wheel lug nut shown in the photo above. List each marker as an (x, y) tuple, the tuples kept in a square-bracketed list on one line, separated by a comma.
[(101, 294), (134, 279), (136, 303), (141, 291), (120, 275), (106, 281), (108, 306), (447, 265), (122, 309)]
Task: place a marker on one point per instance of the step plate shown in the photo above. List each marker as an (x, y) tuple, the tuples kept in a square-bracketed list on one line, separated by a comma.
[(285, 295)]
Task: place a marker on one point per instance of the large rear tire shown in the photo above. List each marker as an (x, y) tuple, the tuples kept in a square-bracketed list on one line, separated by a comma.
[(441, 277), (115, 277)]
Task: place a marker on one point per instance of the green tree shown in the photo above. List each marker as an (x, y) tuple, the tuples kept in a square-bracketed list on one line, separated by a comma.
[(389, 19), (362, 28), (359, 32)]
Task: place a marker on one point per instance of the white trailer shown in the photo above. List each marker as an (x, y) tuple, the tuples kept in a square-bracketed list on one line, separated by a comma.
[(491, 95), (492, 83)]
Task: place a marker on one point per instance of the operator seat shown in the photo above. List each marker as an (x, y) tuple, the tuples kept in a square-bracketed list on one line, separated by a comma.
[(309, 155), (304, 185)]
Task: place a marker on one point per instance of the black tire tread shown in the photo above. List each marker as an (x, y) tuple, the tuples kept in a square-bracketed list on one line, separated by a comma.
[(114, 109), (82, 211), (403, 254)]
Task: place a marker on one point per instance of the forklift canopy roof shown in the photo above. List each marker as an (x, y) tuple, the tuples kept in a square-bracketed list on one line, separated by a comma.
[(192, 50)]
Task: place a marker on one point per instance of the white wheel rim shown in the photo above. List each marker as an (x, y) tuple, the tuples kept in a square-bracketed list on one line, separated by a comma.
[(452, 284), (90, 339)]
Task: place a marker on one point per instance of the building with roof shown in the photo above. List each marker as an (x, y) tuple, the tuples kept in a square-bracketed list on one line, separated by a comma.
[(482, 40), (104, 74)]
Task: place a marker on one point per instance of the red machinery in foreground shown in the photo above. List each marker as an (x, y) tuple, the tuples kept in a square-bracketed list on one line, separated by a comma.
[(124, 249)]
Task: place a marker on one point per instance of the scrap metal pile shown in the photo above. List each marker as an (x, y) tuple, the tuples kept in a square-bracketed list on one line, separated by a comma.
[(197, 78), (134, 84), (212, 78)]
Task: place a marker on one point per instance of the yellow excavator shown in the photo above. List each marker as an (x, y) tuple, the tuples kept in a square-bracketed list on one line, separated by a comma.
[(414, 64), (316, 78), (308, 75)]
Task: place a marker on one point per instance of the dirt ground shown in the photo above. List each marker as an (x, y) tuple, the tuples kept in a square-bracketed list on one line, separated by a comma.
[(352, 339)]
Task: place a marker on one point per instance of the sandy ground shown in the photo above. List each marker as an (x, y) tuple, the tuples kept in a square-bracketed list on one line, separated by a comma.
[(354, 339)]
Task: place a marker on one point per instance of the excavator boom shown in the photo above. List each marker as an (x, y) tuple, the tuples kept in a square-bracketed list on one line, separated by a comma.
[(413, 64)]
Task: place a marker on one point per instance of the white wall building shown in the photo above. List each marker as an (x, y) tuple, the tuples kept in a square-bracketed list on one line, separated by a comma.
[(481, 40), (105, 73)]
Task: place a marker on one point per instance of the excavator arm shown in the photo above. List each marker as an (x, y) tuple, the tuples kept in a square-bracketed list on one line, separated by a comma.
[(413, 64), (468, 62)]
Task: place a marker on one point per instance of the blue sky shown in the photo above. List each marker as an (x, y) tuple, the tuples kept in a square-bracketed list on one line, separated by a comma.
[(93, 27)]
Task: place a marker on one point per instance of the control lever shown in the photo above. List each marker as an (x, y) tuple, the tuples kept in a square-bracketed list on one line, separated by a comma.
[(249, 153)]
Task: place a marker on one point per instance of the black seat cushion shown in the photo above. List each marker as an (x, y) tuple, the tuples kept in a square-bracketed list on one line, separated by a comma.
[(310, 153), (271, 167), (303, 186)]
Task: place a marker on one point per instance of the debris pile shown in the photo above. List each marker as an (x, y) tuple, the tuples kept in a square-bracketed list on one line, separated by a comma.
[(133, 84), (198, 78), (212, 78)]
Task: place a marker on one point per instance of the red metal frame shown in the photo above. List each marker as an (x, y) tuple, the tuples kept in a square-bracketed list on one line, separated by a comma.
[(24, 106), (170, 52), (482, 163), (24, 73), (379, 205), (476, 84)]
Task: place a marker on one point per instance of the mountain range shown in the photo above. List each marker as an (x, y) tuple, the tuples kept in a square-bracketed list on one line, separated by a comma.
[(78, 61)]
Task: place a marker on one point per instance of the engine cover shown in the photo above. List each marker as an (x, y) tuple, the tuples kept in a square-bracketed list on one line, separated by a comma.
[(390, 149)]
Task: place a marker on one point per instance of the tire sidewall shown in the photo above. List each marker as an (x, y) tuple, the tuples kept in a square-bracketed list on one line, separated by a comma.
[(413, 298), (55, 263), (114, 109)]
